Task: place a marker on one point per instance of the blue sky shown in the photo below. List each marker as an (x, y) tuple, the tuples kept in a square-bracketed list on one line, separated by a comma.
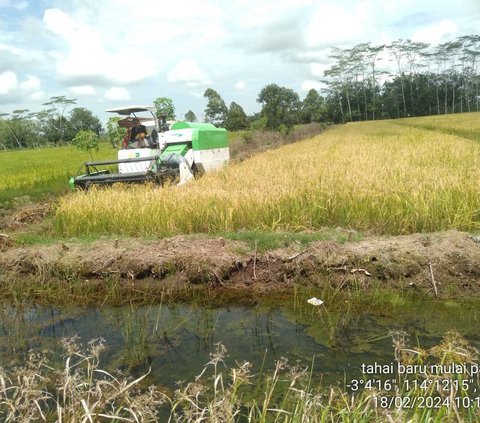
[(109, 53)]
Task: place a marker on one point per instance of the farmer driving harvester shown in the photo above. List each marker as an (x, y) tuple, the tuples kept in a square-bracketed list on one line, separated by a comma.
[(136, 137)]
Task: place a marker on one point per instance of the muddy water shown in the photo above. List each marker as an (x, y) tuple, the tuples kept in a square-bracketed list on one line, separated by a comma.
[(175, 340)]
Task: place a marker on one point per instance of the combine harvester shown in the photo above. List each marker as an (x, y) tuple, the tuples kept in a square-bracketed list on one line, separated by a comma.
[(154, 151)]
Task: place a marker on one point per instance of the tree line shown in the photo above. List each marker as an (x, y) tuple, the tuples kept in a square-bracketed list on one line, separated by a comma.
[(369, 82), (50, 126), (281, 109), (403, 79), (60, 120)]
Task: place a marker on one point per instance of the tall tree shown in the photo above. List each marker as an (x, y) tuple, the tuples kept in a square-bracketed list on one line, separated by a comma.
[(115, 133), (236, 119), (57, 120), (413, 52), (216, 109), (190, 116), (280, 106), (397, 50), (312, 107), (371, 56), (341, 75), (164, 105), (82, 119), (86, 141), (18, 130)]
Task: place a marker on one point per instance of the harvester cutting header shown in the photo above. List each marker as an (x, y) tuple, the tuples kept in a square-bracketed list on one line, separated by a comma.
[(153, 150)]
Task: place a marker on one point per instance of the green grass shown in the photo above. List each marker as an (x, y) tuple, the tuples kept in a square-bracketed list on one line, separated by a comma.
[(267, 241), (259, 240), (42, 172), (32, 238)]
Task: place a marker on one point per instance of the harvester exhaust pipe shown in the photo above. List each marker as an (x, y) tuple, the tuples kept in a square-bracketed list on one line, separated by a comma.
[(162, 122)]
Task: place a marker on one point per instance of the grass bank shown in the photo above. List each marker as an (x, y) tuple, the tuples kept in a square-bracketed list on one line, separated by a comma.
[(378, 177), (245, 144), (442, 264)]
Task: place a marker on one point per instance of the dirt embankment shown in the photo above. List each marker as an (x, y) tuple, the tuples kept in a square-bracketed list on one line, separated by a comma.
[(20, 217), (444, 264)]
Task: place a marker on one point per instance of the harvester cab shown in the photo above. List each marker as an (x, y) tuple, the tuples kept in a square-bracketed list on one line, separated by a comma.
[(154, 150)]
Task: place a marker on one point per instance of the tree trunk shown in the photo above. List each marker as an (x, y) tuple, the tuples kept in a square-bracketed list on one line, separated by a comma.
[(365, 102), (341, 108), (358, 103), (453, 96), (446, 97), (428, 89), (438, 98), (349, 105), (403, 96), (476, 95), (411, 98)]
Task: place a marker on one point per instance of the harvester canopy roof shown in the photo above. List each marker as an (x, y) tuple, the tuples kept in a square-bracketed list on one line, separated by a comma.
[(128, 110)]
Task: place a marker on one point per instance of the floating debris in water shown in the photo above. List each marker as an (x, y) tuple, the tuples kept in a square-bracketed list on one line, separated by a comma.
[(315, 301)]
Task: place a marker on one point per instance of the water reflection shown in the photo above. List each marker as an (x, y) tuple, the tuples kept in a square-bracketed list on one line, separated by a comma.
[(175, 341)]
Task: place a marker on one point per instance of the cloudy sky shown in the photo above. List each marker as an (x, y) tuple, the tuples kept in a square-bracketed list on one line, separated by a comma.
[(114, 52)]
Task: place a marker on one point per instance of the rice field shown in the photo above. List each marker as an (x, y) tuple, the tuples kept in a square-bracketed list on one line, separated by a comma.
[(466, 125), (457, 120), (384, 177), (42, 171)]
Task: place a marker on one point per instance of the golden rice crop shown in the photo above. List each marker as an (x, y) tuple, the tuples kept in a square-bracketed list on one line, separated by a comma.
[(461, 120), (457, 120), (466, 125), (379, 177)]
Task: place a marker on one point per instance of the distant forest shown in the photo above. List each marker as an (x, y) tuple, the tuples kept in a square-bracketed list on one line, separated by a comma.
[(403, 79)]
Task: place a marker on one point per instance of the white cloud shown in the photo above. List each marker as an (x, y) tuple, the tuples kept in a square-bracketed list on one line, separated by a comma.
[(13, 91), (8, 82), (83, 90), (118, 94), (333, 25), (18, 58), (59, 22), (37, 96), (187, 71), (309, 84), (87, 58), (437, 33), (240, 85), (30, 84), (318, 69)]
